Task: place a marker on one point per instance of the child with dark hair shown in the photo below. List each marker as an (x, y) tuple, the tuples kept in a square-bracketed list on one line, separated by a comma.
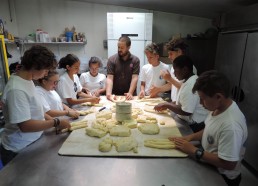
[(225, 133), (93, 81), (69, 86), (23, 111), (187, 106), (175, 47)]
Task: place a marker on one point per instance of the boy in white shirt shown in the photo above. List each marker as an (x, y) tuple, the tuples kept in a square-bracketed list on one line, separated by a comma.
[(150, 74), (187, 106), (175, 47), (225, 133)]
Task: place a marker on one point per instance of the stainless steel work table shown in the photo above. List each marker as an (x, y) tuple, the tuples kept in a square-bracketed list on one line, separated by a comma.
[(39, 164)]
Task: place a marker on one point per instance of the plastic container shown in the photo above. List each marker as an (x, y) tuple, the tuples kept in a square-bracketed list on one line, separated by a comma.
[(69, 36), (123, 111)]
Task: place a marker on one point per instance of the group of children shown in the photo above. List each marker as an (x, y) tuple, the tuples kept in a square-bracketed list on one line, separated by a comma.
[(204, 101)]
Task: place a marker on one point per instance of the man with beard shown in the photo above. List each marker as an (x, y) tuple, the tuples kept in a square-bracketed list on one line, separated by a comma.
[(123, 70)]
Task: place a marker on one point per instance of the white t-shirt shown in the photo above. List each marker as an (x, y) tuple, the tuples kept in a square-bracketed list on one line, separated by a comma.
[(225, 135), (174, 90), (21, 103), (50, 99), (191, 102), (151, 76), (67, 88), (93, 83)]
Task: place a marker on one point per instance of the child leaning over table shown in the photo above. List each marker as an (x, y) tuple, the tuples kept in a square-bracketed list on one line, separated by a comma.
[(50, 99), (225, 133), (23, 111), (69, 86)]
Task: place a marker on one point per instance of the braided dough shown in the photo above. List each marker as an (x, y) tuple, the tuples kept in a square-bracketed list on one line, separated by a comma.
[(92, 104), (126, 144), (149, 128), (106, 145), (85, 112), (93, 132), (121, 131)]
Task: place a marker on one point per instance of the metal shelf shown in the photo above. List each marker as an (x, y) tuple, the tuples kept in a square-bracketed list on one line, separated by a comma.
[(57, 43)]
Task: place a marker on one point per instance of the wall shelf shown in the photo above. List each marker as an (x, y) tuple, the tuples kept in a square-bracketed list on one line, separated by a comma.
[(57, 43)]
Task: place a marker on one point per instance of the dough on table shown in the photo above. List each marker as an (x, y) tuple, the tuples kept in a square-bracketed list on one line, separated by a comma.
[(107, 114), (149, 117), (92, 104), (99, 126), (146, 119), (162, 122), (132, 123), (86, 112), (111, 123), (147, 128), (76, 125), (148, 99), (159, 143), (141, 119), (118, 98), (106, 145), (126, 144), (154, 103), (151, 109), (137, 110), (120, 130), (95, 132), (101, 121)]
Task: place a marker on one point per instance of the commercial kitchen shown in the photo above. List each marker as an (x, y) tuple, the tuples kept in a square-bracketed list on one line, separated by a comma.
[(221, 35)]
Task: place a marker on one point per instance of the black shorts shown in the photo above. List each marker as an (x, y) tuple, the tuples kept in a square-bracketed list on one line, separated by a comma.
[(196, 127), (233, 182), (6, 155)]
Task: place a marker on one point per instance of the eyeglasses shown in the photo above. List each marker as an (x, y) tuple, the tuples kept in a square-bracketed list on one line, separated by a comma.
[(75, 87)]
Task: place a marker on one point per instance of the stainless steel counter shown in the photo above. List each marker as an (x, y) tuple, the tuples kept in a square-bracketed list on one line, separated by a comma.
[(39, 164)]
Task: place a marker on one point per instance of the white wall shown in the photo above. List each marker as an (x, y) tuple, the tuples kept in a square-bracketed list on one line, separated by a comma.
[(54, 15)]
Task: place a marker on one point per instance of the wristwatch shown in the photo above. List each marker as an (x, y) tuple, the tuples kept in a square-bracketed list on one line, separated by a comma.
[(199, 153)]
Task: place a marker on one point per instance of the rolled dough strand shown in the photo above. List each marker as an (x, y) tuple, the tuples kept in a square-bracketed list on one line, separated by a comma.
[(158, 140), (159, 143), (78, 127), (79, 122), (158, 146)]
